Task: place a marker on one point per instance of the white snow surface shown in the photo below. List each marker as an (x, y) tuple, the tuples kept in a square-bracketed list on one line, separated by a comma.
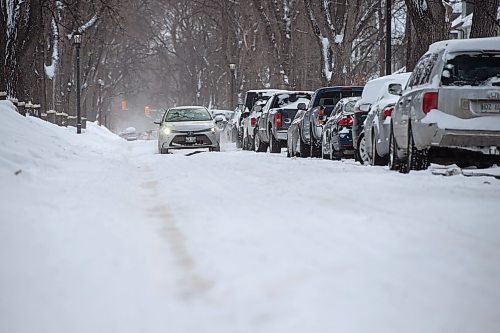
[(98, 234)]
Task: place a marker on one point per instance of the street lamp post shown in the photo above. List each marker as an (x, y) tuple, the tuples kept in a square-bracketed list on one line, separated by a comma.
[(100, 82), (77, 39), (388, 37), (232, 67)]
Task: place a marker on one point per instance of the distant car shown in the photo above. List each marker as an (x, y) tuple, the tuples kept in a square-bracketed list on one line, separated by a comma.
[(361, 109), (450, 109), (129, 134), (250, 124), (225, 123), (294, 146), (187, 127), (277, 115), (337, 135), (377, 123), (244, 110), (311, 127)]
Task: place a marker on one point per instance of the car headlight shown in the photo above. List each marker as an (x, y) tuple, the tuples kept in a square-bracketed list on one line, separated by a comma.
[(167, 131)]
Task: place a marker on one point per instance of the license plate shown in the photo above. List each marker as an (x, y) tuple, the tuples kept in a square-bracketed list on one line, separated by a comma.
[(191, 139), (490, 107)]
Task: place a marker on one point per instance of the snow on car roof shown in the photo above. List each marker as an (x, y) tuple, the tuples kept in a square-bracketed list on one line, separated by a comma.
[(456, 45), (372, 87)]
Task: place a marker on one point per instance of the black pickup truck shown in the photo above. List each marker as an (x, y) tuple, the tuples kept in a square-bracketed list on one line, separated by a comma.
[(312, 124), (277, 115)]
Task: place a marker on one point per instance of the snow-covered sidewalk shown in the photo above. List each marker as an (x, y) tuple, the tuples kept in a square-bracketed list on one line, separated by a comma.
[(101, 235)]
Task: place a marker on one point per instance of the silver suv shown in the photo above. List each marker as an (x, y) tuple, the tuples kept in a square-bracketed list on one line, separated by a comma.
[(450, 109)]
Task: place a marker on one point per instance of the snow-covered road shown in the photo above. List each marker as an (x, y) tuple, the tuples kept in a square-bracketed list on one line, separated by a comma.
[(101, 235)]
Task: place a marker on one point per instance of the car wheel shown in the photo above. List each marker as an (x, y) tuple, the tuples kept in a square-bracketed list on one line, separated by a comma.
[(363, 154), (163, 151), (274, 145), (260, 146), (239, 139), (324, 155), (416, 159), (376, 159), (394, 161), (304, 149)]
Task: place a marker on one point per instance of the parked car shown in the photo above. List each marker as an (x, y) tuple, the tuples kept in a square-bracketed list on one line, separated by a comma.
[(311, 126), (377, 123), (245, 109), (276, 117), (361, 110), (337, 136), (450, 109), (224, 122), (250, 124), (129, 134), (294, 148), (187, 127)]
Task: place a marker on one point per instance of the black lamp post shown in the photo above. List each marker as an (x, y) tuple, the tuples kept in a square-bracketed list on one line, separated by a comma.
[(77, 39), (100, 82), (232, 67), (388, 37)]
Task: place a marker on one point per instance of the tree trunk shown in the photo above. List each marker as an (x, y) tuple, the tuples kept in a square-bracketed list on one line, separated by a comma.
[(430, 24), (484, 22)]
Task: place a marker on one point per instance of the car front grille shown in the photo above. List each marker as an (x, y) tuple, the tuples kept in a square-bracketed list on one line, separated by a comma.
[(201, 139)]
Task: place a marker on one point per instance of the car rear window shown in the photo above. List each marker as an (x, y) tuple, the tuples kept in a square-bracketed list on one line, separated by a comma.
[(475, 69), (188, 115)]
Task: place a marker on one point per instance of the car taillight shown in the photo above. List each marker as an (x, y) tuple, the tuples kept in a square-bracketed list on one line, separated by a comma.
[(346, 121), (253, 121), (388, 111), (430, 101), (277, 120)]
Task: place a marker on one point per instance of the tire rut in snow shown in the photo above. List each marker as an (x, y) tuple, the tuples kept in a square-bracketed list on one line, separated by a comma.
[(192, 285)]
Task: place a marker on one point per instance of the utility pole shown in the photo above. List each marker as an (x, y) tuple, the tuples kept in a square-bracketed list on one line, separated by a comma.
[(100, 82), (388, 37)]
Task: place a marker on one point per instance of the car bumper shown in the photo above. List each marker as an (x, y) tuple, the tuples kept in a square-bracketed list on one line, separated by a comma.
[(183, 140), (430, 135)]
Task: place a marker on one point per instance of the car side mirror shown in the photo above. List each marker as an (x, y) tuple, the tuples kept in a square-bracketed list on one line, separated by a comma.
[(257, 108), (301, 106)]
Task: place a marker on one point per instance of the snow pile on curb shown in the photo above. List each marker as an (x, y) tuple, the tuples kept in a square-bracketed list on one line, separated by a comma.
[(29, 143)]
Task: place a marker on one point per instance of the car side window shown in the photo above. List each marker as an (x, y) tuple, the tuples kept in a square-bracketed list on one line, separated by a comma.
[(423, 69)]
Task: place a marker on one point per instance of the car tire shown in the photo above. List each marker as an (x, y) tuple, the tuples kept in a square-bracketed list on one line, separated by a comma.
[(274, 145), (394, 161), (163, 151), (259, 146), (376, 159), (304, 149), (214, 149), (416, 159), (363, 154)]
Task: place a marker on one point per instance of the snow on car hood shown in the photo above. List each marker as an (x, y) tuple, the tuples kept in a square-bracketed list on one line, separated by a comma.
[(189, 125)]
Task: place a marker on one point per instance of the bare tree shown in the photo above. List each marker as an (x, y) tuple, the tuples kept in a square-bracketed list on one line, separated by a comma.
[(485, 21)]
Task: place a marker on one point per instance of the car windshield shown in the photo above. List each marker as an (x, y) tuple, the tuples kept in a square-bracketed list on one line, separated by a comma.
[(291, 100), (472, 69), (190, 114)]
